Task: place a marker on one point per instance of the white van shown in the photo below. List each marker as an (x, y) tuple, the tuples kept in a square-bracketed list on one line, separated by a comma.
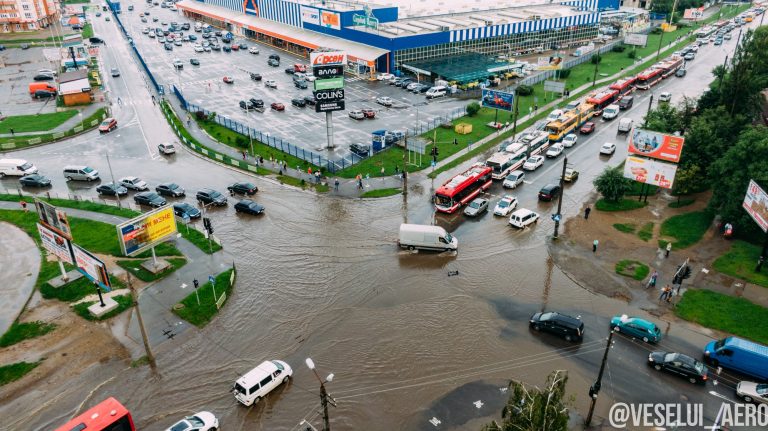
[(437, 91), (625, 125), (260, 381), (16, 167), (610, 112), (413, 236), (80, 173)]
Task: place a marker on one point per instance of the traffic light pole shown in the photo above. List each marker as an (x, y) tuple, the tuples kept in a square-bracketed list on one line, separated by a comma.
[(560, 200)]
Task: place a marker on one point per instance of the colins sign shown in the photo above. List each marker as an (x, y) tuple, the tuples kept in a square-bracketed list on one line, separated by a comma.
[(335, 58), (329, 95)]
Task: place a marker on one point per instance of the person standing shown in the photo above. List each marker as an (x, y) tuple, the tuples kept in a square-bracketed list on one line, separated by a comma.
[(666, 293), (382, 171), (652, 280), (243, 154), (587, 210), (595, 243), (669, 248), (336, 185), (317, 176), (23, 204)]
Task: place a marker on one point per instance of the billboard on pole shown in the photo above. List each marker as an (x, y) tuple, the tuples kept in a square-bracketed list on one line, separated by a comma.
[(554, 62), (53, 218), (650, 172), (146, 230), (497, 99), (656, 145), (56, 244), (756, 204), (91, 266), (637, 39)]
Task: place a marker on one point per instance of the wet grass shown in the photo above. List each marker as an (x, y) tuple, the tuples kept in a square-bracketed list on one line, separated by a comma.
[(625, 227), (35, 123), (687, 229), (736, 316), (22, 141), (301, 183), (381, 193), (75, 290), (740, 262), (12, 372), (19, 332), (198, 239), (622, 205), (124, 302), (200, 315), (646, 232), (135, 268), (632, 269), (81, 205)]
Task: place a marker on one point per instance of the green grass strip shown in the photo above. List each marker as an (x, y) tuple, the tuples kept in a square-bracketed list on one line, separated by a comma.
[(200, 315), (740, 262), (19, 332), (124, 302), (11, 373), (135, 268), (736, 316)]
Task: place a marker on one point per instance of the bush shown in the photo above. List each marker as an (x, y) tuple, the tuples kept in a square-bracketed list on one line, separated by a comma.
[(472, 109), (618, 48), (524, 90), (656, 30), (564, 73), (597, 58), (200, 115), (241, 142), (632, 54)]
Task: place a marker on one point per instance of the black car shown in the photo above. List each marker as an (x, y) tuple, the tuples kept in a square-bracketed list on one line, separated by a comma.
[(44, 94), (570, 328), (300, 103), (549, 192), (43, 77), (274, 57), (249, 207), (255, 76), (677, 363), (361, 150), (310, 100), (289, 70), (226, 48), (183, 208), (210, 196), (216, 47), (218, 32), (302, 85), (34, 180), (404, 83), (149, 198), (170, 189), (246, 105), (194, 62), (111, 189), (257, 103), (168, 46), (95, 40), (626, 102), (243, 189)]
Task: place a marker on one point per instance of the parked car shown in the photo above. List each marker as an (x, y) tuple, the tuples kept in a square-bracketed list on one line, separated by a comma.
[(752, 392), (476, 207), (274, 63), (289, 70), (383, 100), (356, 114), (636, 327), (506, 205), (108, 125), (270, 83), (249, 207), (182, 208), (298, 102), (514, 179), (523, 217), (168, 46), (34, 180), (246, 105), (111, 189), (608, 148), (665, 96), (587, 128), (255, 76), (150, 199), (194, 62), (369, 113), (300, 84), (555, 150), (226, 48), (680, 364), (243, 188), (361, 150), (569, 140), (166, 148), (228, 80), (253, 50), (571, 175), (276, 106), (134, 183), (568, 327), (44, 94), (44, 77), (384, 76), (170, 189), (533, 163), (257, 103), (680, 73), (202, 421), (210, 196)]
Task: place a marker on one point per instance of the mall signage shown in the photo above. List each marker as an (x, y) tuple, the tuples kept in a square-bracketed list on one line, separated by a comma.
[(332, 58), (329, 95), (329, 84), (329, 106), (327, 71)]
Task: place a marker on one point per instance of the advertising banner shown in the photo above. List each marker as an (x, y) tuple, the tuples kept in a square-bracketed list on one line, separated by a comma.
[(650, 172), (637, 39), (549, 63), (329, 84), (56, 244), (330, 58), (694, 13), (310, 15), (323, 72), (329, 95), (146, 230), (329, 106), (330, 19), (656, 145), (53, 218), (91, 266), (554, 86), (497, 99), (756, 204)]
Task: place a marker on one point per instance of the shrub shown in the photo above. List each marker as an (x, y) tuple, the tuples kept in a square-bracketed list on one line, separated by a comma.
[(597, 58), (656, 30), (524, 90), (632, 54), (472, 109), (618, 48), (564, 73), (200, 115), (241, 142)]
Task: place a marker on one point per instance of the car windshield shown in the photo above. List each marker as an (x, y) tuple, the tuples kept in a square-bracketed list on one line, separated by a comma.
[(173, 186), (531, 160), (546, 316), (181, 426), (87, 170), (503, 204), (248, 185), (762, 389), (448, 238), (195, 421), (278, 365), (719, 344), (474, 204), (105, 123), (512, 177)]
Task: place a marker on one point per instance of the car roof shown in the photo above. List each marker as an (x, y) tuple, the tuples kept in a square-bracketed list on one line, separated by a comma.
[(258, 373), (522, 212)]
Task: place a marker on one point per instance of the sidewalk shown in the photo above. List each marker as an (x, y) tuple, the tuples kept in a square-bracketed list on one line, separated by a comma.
[(20, 261), (73, 122)]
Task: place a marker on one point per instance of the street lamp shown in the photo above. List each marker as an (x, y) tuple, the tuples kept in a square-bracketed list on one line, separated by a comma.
[(80, 114), (323, 394), (595, 388)]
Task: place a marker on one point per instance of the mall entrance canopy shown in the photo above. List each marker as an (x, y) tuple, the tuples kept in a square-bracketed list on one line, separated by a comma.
[(462, 68)]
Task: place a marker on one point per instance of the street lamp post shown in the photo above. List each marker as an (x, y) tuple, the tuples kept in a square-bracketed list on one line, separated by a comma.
[(324, 397), (80, 114), (595, 388)]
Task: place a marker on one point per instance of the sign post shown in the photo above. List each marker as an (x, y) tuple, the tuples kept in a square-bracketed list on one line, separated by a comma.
[(328, 68), (212, 280)]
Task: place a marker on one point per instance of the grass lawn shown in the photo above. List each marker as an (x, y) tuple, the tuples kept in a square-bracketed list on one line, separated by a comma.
[(87, 28), (688, 228), (625, 227), (75, 290), (21, 141), (740, 262), (197, 238), (35, 123), (681, 203), (381, 193), (135, 268), (632, 269), (298, 182), (124, 302), (200, 315), (622, 205), (19, 332), (11, 373), (737, 316), (646, 232), (81, 205)]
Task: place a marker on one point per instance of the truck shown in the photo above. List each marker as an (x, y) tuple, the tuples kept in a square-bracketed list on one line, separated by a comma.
[(41, 86), (16, 167), (740, 355), (413, 236)]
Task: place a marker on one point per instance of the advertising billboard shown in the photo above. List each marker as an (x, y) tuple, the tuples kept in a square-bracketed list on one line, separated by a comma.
[(554, 86), (694, 13), (650, 172), (497, 99), (656, 145), (53, 218), (549, 63), (330, 19), (146, 230), (329, 106), (310, 15), (56, 244), (329, 58), (637, 39), (91, 266), (329, 84), (329, 95), (756, 204)]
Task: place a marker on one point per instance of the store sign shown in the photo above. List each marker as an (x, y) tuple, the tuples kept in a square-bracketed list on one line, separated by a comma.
[(328, 71), (329, 95), (329, 84), (330, 20), (329, 106), (310, 15), (91, 266), (756, 204), (56, 244), (331, 58)]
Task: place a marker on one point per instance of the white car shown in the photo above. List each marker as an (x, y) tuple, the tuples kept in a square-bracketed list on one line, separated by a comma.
[(608, 148), (506, 205), (555, 150), (412, 85), (356, 114), (523, 217), (166, 148), (202, 421), (753, 392), (310, 77), (152, 35), (253, 50), (533, 163), (198, 48), (270, 83), (514, 179), (383, 100), (384, 76), (145, 30), (554, 115), (134, 183), (570, 140), (177, 64), (665, 96)]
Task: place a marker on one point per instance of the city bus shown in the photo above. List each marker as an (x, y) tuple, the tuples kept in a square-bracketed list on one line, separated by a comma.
[(624, 86), (705, 32), (670, 66), (559, 128), (504, 162), (585, 111), (108, 415), (603, 99), (462, 188), (648, 78)]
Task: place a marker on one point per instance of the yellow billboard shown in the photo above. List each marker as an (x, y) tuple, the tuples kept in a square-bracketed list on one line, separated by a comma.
[(146, 230)]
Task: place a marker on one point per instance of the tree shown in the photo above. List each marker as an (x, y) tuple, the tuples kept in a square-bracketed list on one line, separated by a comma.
[(612, 184), (534, 409), (472, 109), (665, 118), (688, 180), (710, 135)]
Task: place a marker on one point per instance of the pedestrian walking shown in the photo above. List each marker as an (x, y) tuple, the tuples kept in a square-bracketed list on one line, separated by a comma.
[(669, 248), (153, 99), (336, 185), (12, 132), (666, 293), (397, 169), (317, 176), (119, 101), (382, 171), (243, 154), (309, 170), (261, 160), (587, 210), (594, 245), (23, 204), (760, 261), (652, 280), (455, 141)]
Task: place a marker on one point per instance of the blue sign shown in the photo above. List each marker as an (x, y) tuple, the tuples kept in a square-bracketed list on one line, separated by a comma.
[(230, 35), (497, 99), (556, 217), (211, 279), (186, 218)]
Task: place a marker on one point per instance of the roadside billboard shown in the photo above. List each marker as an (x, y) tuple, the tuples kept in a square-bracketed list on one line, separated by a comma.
[(554, 86), (694, 13), (497, 99), (549, 63), (53, 218), (650, 172), (328, 58), (56, 244), (656, 145), (146, 230), (91, 266), (329, 84), (637, 39), (756, 204)]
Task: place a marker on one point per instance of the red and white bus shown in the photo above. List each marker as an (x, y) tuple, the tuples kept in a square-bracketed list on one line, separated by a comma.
[(603, 99), (624, 86), (108, 415), (462, 188), (670, 66), (648, 78)]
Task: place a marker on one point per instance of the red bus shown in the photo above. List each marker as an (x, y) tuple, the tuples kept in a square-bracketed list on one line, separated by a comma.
[(603, 99), (108, 415), (670, 66), (624, 86), (648, 78), (462, 188)]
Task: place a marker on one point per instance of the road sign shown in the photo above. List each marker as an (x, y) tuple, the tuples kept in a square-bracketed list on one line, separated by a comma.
[(211, 279), (329, 95), (328, 71), (556, 217), (329, 84), (329, 106)]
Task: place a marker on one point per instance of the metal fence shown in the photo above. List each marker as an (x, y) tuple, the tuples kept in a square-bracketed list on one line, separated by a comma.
[(47, 195), (116, 15), (424, 126)]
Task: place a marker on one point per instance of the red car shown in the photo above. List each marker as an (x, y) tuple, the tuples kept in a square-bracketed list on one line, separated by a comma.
[(369, 113), (277, 106), (299, 68), (108, 125), (587, 128), (235, 47), (229, 80)]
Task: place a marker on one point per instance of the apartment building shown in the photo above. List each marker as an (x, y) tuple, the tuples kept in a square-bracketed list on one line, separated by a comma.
[(27, 15)]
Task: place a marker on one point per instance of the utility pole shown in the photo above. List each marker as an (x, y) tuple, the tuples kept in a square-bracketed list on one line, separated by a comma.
[(650, 104), (405, 166), (558, 216), (147, 349), (111, 174), (595, 388), (661, 38), (596, 59), (324, 397), (720, 81), (514, 123)]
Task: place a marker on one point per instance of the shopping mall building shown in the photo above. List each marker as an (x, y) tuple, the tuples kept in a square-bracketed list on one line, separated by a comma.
[(472, 36)]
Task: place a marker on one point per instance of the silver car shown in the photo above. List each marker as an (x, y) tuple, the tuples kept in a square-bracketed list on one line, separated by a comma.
[(753, 392), (476, 207)]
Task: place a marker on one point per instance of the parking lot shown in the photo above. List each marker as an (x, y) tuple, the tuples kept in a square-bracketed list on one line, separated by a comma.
[(19, 67), (203, 86)]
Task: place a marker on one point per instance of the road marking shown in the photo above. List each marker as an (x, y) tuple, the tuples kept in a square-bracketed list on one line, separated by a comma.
[(478, 404), (435, 421)]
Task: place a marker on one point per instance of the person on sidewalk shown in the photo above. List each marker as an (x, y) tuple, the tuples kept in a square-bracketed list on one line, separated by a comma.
[(336, 185), (244, 154), (666, 292), (317, 176), (12, 132), (23, 204), (382, 171), (652, 280), (669, 248), (595, 243), (397, 170), (587, 210)]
